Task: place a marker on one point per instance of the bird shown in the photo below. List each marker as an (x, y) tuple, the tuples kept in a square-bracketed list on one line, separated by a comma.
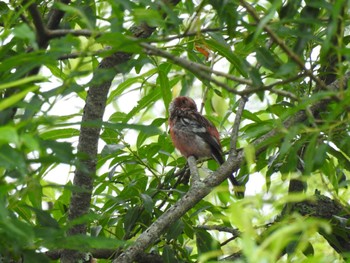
[(192, 134)]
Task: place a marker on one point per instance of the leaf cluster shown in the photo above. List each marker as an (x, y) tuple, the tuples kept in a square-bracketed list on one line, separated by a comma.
[(281, 55)]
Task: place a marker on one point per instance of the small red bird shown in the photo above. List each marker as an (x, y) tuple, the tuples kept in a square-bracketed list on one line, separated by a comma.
[(192, 134)]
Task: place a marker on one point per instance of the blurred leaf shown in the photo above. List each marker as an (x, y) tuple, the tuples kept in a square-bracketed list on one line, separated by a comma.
[(20, 82), (75, 11), (266, 59), (60, 151), (175, 230), (86, 243), (131, 217), (147, 202), (112, 149), (251, 116), (163, 82), (120, 42), (145, 102), (206, 243), (8, 134), (44, 218), (310, 153), (13, 160), (169, 255), (8, 102), (224, 50), (32, 256), (35, 193), (128, 82), (147, 129), (23, 31), (152, 17), (60, 134)]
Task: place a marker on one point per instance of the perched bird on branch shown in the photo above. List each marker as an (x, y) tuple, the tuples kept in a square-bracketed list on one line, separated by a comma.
[(194, 135)]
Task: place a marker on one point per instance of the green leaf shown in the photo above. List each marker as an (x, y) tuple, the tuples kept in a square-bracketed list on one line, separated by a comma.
[(61, 151), (169, 255), (342, 159), (84, 242), (45, 219), (175, 230), (8, 134), (163, 82), (153, 18), (251, 116), (147, 129), (35, 193), (266, 59), (74, 11), (23, 31), (309, 155), (131, 217), (128, 82), (13, 160), (254, 130), (144, 102), (147, 202), (32, 256), (60, 134), (206, 243), (225, 51), (22, 81), (3, 9), (112, 149), (120, 42), (8, 102)]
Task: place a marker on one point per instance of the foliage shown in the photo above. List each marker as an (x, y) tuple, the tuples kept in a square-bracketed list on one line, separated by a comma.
[(279, 54)]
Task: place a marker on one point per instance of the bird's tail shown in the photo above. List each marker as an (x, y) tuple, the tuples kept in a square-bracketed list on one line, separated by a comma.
[(237, 187)]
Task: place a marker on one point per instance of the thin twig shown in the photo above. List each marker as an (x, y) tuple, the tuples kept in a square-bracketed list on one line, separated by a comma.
[(235, 232), (235, 127), (227, 241), (63, 32), (183, 35), (286, 81)]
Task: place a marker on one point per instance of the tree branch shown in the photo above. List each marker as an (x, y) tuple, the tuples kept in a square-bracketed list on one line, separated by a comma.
[(236, 123), (235, 232), (63, 32), (192, 163), (108, 254), (198, 192), (55, 15), (41, 30)]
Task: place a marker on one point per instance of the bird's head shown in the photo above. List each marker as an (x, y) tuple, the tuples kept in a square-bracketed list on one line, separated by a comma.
[(182, 103)]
